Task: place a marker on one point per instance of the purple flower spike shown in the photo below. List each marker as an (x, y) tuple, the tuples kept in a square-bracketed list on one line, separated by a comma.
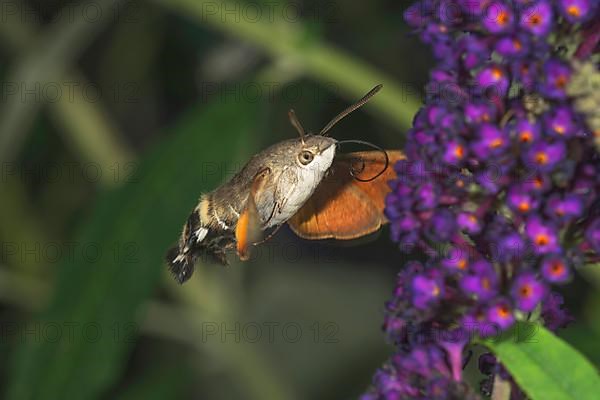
[(560, 122), (501, 314), (527, 291), (555, 269), (498, 17), (557, 75), (499, 191), (543, 235), (537, 18), (426, 291)]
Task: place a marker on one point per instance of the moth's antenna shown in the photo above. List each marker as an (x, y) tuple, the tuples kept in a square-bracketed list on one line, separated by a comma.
[(350, 109), (356, 172), (296, 124)]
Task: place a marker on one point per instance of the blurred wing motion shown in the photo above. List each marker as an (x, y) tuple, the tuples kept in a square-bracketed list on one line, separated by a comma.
[(343, 207), (247, 230)]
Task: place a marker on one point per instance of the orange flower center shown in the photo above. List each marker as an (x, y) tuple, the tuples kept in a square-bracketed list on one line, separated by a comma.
[(524, 206), (462, 264), (517, 45), (459, 152), (541, 158), (497, 73), (503, 311), (503, 18), (560, 129), (526, 136), (496, 143), (485, 282), (574, 11), (526, 291), (542, 239), (561, 81), (557, 268), (535, 19)]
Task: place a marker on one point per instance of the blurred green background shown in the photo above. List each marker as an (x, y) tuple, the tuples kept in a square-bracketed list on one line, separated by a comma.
[(115, 116)]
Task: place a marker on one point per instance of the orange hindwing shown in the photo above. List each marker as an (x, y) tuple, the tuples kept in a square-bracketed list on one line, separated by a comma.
[(343, 207)]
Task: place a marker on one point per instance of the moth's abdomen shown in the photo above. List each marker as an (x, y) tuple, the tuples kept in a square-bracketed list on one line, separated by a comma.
[(200, 237)]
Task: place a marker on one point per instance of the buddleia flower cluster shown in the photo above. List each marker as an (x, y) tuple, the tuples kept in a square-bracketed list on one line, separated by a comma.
[(500, 188)]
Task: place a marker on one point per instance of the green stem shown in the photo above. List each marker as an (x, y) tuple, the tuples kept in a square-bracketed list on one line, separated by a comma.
[(324, 62)]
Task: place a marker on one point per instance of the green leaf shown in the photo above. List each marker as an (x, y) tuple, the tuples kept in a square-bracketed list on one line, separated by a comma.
[(545, 366), (79, 346)]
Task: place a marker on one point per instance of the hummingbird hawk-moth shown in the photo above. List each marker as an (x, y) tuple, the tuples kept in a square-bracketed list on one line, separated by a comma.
[(300, 181)]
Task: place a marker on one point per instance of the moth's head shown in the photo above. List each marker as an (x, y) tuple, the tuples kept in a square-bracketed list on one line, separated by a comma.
[(315, 153)]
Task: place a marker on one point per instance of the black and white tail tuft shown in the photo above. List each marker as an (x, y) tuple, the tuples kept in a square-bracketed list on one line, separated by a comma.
[(182, 257), (181, 264)]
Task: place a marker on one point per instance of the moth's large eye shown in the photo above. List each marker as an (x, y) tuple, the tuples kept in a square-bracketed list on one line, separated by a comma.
[(305, 157)]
